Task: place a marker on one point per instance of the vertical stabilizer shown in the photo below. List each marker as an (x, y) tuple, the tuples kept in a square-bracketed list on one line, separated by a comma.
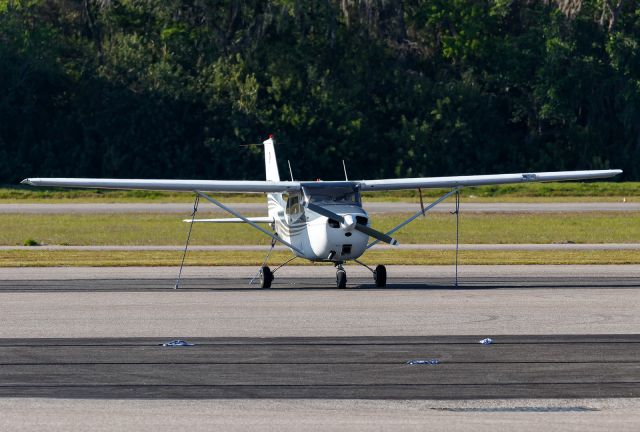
[(275, 202), (270, 163)]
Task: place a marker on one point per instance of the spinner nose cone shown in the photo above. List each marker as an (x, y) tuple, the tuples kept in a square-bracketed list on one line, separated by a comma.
[(349, 222)]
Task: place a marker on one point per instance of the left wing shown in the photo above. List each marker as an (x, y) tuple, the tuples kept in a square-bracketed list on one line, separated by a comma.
[(168, 185), (479, 180)]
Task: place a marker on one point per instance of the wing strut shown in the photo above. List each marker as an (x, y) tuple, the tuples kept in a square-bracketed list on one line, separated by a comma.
[(186, 246), (253, 224), (421, 212), (457, 212)]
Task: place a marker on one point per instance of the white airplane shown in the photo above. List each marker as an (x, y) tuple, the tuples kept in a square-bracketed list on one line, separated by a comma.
[(321, 221)]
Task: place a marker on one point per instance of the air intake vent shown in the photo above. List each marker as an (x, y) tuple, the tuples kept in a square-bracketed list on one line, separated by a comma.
[(346, 249), (362, 220)]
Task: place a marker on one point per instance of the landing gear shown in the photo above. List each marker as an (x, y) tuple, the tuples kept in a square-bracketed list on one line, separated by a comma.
[(266, 277), (265, 274), (380, 276), (341, 279), (341, 276)]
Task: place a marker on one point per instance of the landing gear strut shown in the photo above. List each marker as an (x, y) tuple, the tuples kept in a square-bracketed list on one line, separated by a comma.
[(379, 274), (341, 276)]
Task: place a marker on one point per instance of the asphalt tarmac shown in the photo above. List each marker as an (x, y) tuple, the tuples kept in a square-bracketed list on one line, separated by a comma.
[(566, 342), (514, 366), (304, 338), (195, 415)]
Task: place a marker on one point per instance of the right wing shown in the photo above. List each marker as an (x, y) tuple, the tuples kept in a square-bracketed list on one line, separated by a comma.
[(168, 185), (479, 180)]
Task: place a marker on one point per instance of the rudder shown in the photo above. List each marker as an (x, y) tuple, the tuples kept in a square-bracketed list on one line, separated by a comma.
[(270, 162)]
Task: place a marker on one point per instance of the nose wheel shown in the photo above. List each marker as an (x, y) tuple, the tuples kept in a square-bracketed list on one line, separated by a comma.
[(341, 277)]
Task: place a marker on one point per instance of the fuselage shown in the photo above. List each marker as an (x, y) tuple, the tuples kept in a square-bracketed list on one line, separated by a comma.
[(319, 237)]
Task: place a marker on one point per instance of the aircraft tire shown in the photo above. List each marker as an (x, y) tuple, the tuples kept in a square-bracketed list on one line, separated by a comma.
[(380, 276), (266, 277), (341, 279)]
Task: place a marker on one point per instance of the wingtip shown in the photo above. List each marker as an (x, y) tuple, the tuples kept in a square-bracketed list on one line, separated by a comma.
[(26, 182)]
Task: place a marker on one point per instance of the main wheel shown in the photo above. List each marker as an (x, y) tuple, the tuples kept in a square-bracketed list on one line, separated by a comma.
[(341, 279), (380, 276), (266, 277)]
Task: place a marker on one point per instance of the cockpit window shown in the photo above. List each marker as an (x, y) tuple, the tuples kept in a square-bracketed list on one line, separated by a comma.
[(339, 195), (293, 205)]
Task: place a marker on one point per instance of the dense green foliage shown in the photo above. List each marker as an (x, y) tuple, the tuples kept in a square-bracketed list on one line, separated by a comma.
[(168, 88)]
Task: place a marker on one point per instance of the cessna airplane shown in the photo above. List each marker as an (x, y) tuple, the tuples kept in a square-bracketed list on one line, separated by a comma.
[(322, 221)]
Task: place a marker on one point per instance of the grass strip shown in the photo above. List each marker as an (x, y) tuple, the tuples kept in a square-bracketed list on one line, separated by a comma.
[(439, 228), (44, 258)]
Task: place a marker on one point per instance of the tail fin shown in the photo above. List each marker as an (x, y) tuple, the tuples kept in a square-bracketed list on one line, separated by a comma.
[(275, 202), (270, 162)]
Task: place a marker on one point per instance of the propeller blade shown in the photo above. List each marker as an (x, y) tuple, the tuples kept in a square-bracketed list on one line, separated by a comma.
[(376, 234), (360, 227), (324, 212)]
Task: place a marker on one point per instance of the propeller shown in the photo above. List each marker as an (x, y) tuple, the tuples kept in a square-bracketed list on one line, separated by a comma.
[(350, 222)]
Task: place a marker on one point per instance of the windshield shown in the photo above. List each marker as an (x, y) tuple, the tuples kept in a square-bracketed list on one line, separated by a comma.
[(340, 195)]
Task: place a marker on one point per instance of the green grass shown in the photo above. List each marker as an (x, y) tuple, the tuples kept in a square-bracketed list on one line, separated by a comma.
[(530, 191), (29, 194), (44, 258), (162, 229)]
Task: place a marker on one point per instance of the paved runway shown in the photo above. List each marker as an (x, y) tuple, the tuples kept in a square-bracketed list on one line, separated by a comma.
[(219, 302), (373, 207), (556, 336), (566, 343), (278, 415), (322, 273), (514, 366)]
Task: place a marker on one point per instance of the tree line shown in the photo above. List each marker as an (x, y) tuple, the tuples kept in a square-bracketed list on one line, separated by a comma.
[(171, 89)]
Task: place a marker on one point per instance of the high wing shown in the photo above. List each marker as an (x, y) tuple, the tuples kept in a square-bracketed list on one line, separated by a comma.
[(289, 186), (168, 185), (479, 180)]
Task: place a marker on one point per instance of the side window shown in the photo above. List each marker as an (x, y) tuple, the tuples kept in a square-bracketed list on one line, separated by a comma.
[(293, 205)]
